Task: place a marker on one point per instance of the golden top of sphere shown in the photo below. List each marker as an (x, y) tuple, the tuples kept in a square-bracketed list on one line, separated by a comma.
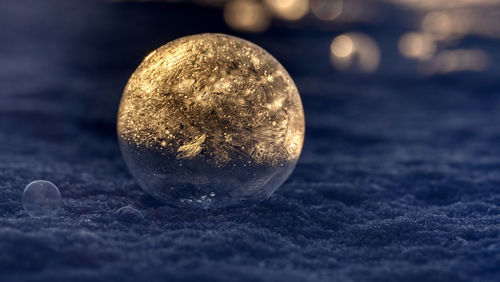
[(215, 97)]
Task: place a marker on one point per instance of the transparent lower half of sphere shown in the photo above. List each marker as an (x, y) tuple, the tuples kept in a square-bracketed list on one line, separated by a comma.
[(196, 183), (41, 199)]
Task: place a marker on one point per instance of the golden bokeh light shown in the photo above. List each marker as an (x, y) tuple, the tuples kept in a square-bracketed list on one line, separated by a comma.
[(439, 25), (416, 45), (457, 60), (355, 50), (445, 25), (444, 4), (327, 10), (291, 10), (246, 15), (450, 25), (342, 46)]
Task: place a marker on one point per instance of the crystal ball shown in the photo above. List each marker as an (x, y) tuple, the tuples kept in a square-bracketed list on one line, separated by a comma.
[(41, 199), (210, 120)]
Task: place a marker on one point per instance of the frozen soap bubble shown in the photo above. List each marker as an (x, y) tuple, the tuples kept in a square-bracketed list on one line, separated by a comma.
[(41, 199), (210, 120), (129, 214)]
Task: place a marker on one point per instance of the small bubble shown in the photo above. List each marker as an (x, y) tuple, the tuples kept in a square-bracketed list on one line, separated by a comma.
[(212, 194), (130, 215), (41, 199)]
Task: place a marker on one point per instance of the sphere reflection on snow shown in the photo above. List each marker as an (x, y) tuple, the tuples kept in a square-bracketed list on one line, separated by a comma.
[(210, 120)]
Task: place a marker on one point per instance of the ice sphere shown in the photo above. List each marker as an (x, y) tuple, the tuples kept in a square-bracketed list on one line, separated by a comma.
[(129, 214), (41, 199), (210, 120)]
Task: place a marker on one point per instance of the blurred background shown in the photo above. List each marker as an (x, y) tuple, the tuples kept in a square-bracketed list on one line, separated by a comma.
[(312, 38), (432, 34)]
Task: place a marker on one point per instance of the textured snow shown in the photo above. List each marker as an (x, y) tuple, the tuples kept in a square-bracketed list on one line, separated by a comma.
[(399, 177)]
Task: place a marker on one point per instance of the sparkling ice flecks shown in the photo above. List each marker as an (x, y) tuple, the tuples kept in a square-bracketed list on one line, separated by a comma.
[(210, 120)]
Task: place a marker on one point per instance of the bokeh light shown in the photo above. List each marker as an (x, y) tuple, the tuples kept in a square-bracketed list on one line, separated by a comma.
[(439, 25), (417, 45), (342, 46), (455, 24), (436, 27), (355, 50), (291, 10), (246, 15), (327, 10), (443, 4), (457, 60)]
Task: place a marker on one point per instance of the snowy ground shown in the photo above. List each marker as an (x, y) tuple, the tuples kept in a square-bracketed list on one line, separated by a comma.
[(399, 177)]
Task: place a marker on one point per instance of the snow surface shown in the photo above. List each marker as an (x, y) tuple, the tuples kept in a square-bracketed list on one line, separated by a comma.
[(398, 181)]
